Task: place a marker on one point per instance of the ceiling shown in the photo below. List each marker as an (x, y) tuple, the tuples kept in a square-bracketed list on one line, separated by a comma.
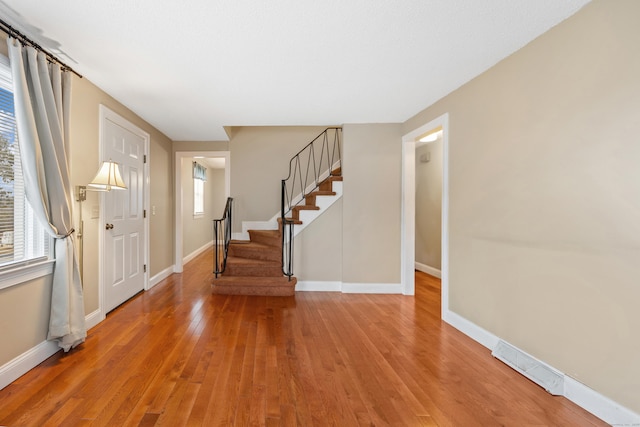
[(191, 67)]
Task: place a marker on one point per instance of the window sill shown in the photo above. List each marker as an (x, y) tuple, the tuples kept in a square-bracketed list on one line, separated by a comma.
[(198, 215), (25, 273)]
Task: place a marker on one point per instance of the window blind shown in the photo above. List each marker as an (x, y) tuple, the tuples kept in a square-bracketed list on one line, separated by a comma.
[(22, 238), (199, 171)]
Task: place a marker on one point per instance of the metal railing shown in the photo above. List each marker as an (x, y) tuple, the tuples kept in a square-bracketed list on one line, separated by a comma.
[(307, 170), (221, 239)]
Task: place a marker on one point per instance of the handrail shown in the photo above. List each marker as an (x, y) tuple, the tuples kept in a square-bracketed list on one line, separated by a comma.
[(316, 169), (221, 238), (317, 160)]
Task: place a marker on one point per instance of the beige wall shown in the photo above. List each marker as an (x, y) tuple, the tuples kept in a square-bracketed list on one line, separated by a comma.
[(24, 308), (544, 206), (371, 203), (259, 162), (202, 146), (318, 248), (24, 317), (197, 232), (429, 204), (84, 163)]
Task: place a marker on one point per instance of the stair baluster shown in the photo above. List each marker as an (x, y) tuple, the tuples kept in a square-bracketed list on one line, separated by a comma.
[(318, 161), (221, 238)]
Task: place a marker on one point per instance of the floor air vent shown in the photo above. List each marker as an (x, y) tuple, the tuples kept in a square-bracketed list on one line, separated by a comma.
[(531, 368)]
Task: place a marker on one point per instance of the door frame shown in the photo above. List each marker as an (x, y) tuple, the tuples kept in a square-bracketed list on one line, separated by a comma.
[(407, 273), (104, 114), (177, 173)]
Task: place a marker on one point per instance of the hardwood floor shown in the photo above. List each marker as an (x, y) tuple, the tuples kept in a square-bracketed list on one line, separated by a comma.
[(179, 355)]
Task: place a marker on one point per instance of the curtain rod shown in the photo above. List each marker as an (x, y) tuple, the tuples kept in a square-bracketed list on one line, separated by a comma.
[(18, 35)]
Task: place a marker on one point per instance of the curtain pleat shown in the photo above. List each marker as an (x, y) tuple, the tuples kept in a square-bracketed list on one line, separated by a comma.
[(42, 94)]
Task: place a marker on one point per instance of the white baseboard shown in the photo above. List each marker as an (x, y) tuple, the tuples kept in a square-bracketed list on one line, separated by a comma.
[(471, 330), (599, 405), (372, 288), (580, 394), (92, 319), (318, 286), (197, 252), (429, 270), (161, 276), (22, 364)]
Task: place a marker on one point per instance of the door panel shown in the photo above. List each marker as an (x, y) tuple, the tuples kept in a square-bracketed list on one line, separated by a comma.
[(124, 242)]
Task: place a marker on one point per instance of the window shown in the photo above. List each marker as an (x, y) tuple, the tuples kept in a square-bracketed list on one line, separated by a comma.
[(198, 196), (199, 177), (22, 239)]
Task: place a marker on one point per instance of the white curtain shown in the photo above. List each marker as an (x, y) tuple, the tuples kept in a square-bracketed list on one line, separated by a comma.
[(42, 95)]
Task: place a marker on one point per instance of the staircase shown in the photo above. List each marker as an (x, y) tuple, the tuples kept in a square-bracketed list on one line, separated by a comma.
[(256, 266), (310, 201)]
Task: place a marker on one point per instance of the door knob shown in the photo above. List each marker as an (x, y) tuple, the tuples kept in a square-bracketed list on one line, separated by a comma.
[(109, 226)]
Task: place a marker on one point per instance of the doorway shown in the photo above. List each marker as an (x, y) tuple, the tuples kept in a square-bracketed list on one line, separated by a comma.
[(123, 223), (183, 161), (428, 251), (409, 143)]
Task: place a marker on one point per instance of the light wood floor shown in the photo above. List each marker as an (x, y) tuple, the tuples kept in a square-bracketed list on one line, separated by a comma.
[(178, 355)]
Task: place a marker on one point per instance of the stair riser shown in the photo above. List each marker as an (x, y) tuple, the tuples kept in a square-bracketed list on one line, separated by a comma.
[(252, 270), (266, 239), (275, 291), (242, 251)]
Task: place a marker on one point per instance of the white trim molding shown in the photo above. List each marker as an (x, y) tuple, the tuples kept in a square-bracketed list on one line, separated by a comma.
[(580, 394), (197, 252), (14, 369), (599, 405), (318, 286), (429, 270), (348, 288), (408, 207), (94, 318), (25, 273), (161, 276), (106, 114), (177, 191), (372, 288)]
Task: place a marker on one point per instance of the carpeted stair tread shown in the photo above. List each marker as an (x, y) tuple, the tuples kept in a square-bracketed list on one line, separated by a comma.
[(246, 261), (256, 250), (239, 242), (267, 237)]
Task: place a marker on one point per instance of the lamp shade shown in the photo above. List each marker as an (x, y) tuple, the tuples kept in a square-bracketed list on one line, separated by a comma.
[(108, 178)]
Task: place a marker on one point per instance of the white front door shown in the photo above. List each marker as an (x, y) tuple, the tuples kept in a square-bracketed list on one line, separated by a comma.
[(124, 228)]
